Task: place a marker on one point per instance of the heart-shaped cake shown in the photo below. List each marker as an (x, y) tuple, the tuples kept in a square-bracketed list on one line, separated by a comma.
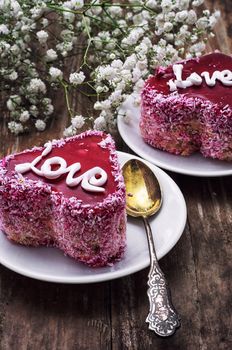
[(69, 194), (187, 107)]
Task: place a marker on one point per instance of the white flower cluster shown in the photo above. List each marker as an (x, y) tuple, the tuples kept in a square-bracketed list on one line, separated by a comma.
[(129, 53), (77, 122), (123, 46)]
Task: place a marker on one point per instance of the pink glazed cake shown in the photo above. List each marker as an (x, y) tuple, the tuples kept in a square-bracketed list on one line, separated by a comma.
[(187, 107), (69, 194)]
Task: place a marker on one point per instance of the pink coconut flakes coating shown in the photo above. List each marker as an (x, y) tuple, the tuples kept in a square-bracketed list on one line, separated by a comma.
[(31, 213), (186, 121)]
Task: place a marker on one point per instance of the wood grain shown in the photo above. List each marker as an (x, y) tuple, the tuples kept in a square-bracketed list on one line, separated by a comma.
[(40, 315), (223, 29), (210, 203), (36, 315)]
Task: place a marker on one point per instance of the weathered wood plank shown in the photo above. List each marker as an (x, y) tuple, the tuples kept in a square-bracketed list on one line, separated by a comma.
[(40, 315), (223, 29), (210, 219)]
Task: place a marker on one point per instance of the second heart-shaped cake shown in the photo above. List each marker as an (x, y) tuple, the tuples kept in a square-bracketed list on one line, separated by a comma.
[(69, 194), (187, 107)]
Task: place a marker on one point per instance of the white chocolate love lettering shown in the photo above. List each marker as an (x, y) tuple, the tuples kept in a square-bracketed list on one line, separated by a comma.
[(210, 81), (91, 180), (91, 183), (225, 77), (195, 79)]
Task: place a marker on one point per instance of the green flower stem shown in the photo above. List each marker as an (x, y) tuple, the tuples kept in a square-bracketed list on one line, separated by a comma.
[(85, 62), (90, 5), (90, 85), (65, 87), (113, 21), (62, 9), (86, 94)]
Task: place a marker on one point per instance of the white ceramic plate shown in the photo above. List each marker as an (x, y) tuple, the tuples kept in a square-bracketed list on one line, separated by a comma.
[(49, 264), (195, 164)]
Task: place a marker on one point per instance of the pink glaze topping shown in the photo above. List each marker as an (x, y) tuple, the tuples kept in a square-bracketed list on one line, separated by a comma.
[(218, 94), (88, 151)]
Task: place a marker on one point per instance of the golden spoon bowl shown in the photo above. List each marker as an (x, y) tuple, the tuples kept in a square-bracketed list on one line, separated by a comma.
[(143, 199), (143, 190)]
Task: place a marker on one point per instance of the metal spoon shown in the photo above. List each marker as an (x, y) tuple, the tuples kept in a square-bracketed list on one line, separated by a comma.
[(144, 199)]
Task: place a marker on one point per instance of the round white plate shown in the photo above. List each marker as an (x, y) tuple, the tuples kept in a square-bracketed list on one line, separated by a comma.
[(49, 264), (195, 164)]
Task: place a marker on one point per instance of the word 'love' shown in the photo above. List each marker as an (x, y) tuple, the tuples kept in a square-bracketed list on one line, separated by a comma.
[(225, 77), (91, 180)]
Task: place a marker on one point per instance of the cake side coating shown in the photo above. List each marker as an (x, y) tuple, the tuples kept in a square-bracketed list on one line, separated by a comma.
[(182, 124), (31, 213)]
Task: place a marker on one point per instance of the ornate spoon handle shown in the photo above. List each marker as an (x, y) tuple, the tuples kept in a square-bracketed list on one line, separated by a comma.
[(162, 317)]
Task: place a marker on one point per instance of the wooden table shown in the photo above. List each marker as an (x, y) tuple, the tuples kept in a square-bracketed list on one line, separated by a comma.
[(37, 315)]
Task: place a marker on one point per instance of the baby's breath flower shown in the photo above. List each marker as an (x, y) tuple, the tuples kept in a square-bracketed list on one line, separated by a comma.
[(99, 124), (152, 4), (166, 5), (130, 62), (168, 26), (55, 73), (24, 116), (44, 22), (42, 36), (70, 131), (51, 55), (100, 89), (13, 75), (106, 104), (197, 2), (97, 106), (4, 29), (115, 11), (78, 121), (183, 4), (192, 17), (197, 48), (74, 4), (202, 23), (76, 78), (48, 109), (15, 49), (117, 64), (34, 111), (40, 125), (181, 16), (213, 19), (37, 86), (15, 128), (13, 102)]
